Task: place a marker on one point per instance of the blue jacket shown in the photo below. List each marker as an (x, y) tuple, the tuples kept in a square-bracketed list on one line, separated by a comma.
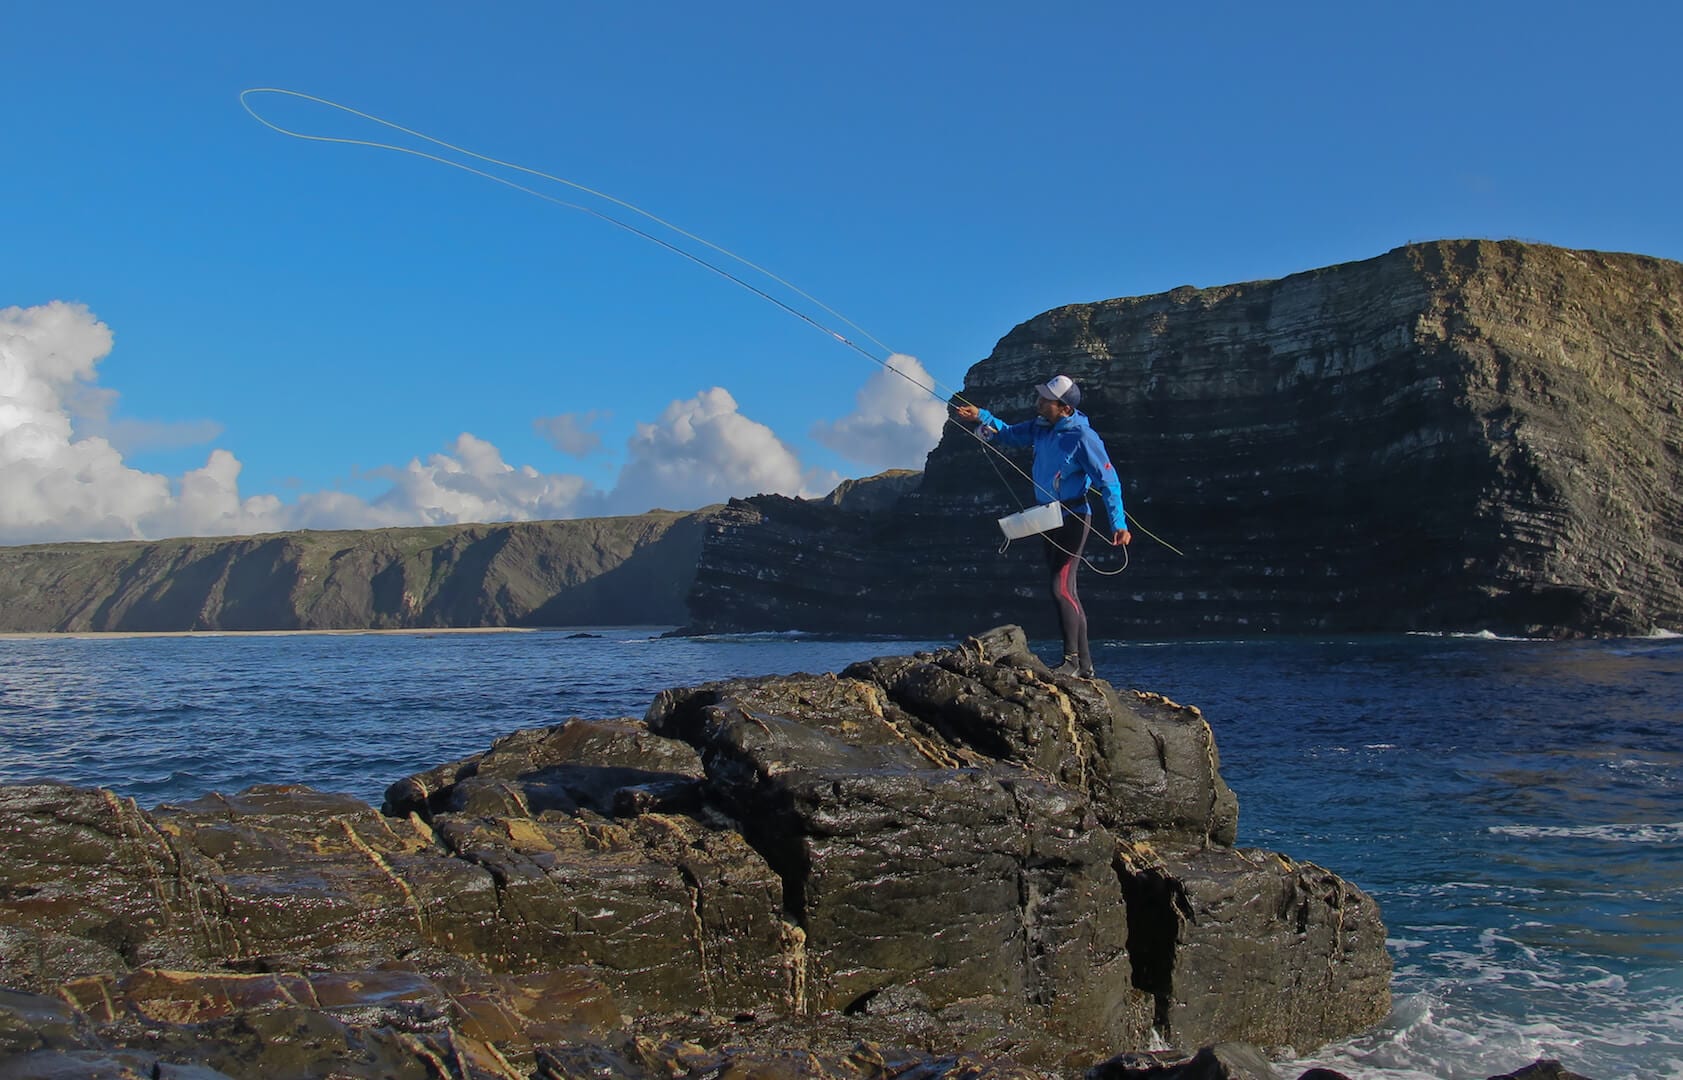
[(1068, 456)]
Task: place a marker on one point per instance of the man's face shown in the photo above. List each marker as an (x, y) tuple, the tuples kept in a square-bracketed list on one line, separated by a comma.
[(1050, 409)]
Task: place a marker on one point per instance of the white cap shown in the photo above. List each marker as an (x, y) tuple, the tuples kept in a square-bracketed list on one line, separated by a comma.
[(1060, 388)]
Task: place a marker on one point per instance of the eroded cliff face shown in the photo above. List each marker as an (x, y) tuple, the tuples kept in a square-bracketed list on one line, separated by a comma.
[(1462, 435), (600, 571)]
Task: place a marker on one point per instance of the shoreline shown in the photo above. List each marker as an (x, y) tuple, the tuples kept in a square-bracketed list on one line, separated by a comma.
[(111, 635)]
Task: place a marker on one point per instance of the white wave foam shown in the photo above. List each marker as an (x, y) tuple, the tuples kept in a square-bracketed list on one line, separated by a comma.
[(1636, 764), (1633, 833), (757, 635), (1424, 1040), (1473, 1002), (1438, 1035), (1471, 635), (1615, 983)]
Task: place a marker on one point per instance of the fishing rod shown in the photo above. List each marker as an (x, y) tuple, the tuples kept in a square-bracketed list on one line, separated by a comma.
[(946, 399)]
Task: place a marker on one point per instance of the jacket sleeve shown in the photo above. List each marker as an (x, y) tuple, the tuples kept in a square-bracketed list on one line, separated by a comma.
[(996, 431), (1102, 475)]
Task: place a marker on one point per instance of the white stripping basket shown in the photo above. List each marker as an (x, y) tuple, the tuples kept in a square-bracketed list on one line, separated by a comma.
[(1042, 518)]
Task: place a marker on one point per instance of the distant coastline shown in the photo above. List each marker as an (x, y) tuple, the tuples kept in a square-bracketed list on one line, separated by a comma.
[(1452, 437), (109, 635)]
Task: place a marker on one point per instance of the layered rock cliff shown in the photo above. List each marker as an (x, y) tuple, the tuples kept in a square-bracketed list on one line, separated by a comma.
[(975, 866), (598, 571), (1462, 435)]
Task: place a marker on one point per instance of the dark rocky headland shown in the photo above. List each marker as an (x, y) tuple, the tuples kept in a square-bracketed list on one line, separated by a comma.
[(947, 864), (1457, 436), (1463, 435)]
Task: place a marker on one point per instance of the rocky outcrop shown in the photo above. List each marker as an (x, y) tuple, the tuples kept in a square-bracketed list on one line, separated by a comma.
[(874, 493), (1462, 435), (598, 571), (954, 863)]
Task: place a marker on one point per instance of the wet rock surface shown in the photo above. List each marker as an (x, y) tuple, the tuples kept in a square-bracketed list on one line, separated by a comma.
[(954, 863)]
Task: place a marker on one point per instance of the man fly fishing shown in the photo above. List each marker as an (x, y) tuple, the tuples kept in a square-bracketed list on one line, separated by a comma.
[(1069, 457)]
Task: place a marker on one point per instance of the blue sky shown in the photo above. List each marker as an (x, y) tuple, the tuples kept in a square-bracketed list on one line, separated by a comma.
[(206, 327)]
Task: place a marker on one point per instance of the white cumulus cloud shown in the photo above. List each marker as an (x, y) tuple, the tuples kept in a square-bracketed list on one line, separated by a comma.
[(473, 483), (58, 485), (703, 451), (63, 478), (895, 421)]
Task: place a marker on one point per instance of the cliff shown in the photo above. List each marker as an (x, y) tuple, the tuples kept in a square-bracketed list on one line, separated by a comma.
[(600, 571), (943, 865), (1463, 435)]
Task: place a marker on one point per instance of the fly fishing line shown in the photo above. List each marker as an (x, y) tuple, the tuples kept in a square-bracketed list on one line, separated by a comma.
[(674, 248)]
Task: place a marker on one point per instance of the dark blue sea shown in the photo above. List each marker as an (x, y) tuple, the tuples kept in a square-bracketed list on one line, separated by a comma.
[(1515, 806)]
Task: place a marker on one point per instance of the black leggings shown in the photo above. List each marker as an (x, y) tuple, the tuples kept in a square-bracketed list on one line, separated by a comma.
[(1063, 560)]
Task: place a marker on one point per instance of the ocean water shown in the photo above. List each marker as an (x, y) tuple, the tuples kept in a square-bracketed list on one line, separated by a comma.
[(1515, 806)]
